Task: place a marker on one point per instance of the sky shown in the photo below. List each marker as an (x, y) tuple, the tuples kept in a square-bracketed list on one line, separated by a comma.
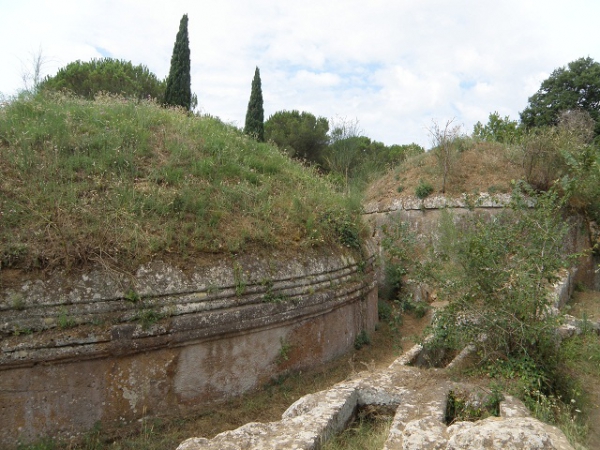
[(395, 68)]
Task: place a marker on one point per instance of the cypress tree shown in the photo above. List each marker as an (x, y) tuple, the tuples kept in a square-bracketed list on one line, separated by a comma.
[(179, 91), (255, 115)]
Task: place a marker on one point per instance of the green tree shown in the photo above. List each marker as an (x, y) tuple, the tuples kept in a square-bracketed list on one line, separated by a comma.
[(575, 87), (498, 129), (301, 135), (399, 153), (178, 91), (255, 115), (346, 147), (113, 76)]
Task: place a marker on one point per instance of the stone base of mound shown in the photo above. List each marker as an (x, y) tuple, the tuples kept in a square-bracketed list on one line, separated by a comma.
[(110, 348)]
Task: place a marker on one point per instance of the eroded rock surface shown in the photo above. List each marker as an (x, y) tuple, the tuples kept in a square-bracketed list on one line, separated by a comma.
[(419, 397)]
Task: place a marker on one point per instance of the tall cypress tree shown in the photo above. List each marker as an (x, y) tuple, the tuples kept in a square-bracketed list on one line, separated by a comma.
[(255, 115), (179, 91)]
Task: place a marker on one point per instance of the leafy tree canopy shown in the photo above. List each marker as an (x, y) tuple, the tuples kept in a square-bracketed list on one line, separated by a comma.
[(498, 129), (575, 87), (113, 76), (255, 115), (300, 134), (179, 82)]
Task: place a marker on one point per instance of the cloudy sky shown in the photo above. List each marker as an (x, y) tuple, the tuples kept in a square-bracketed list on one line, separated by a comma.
[(392, 65)]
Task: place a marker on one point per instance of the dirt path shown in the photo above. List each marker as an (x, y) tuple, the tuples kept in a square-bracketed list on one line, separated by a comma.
[(588, 304)]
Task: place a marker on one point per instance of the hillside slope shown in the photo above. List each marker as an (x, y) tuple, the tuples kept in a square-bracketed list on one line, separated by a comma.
[(120, 182)]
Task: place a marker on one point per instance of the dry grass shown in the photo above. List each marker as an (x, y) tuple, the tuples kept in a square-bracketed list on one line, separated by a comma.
[(482, 167)]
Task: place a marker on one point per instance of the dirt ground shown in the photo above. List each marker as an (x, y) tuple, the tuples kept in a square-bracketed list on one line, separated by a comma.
[(588, 303)]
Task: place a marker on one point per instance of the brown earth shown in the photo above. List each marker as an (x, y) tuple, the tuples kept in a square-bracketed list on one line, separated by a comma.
[(485, 167)]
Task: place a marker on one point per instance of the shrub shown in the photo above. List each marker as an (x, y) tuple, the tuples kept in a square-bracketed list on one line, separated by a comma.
[(496, 275), (423, 189), (87, 79), (361, 340)]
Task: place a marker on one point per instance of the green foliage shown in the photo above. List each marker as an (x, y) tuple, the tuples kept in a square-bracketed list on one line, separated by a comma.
[(552, 396), (147, 317), (13, 252), (17, 301), (132, 296), (356, 159), (284, 351), (361, 340), (369, 430), (574, 87), (178, 90), (42, 444), (300, 135), (462, 407), (423, 189), (580, 164), (399, 153), (255, 114), (399, 245), (106, 75), (582, 353), (122, 181), (419, 309), (498, 129), (496, 275), (65, 320), (384, 310), (239, 280), (347, 229), (563, 153)]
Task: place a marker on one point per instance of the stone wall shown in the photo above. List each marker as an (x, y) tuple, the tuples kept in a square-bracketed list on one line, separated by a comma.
[(423, 219), (417, 396), (111, 347)]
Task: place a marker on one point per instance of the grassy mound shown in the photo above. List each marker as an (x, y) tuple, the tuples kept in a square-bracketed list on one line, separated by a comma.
[(480, 167), (119, 182)]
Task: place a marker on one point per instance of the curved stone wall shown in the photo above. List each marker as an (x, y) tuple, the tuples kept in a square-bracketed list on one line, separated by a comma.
[(111, 347), (423, 218)]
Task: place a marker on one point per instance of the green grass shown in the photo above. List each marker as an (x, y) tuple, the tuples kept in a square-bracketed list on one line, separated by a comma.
[(121, 182), (368, 431)]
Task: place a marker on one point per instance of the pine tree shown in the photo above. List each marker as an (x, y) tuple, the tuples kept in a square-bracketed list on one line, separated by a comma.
[(255, 115), (178, 91)]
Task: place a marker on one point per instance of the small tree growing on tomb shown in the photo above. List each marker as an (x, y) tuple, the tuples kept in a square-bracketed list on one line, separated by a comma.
[(178, 91), (444, 148), (255, 114)]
